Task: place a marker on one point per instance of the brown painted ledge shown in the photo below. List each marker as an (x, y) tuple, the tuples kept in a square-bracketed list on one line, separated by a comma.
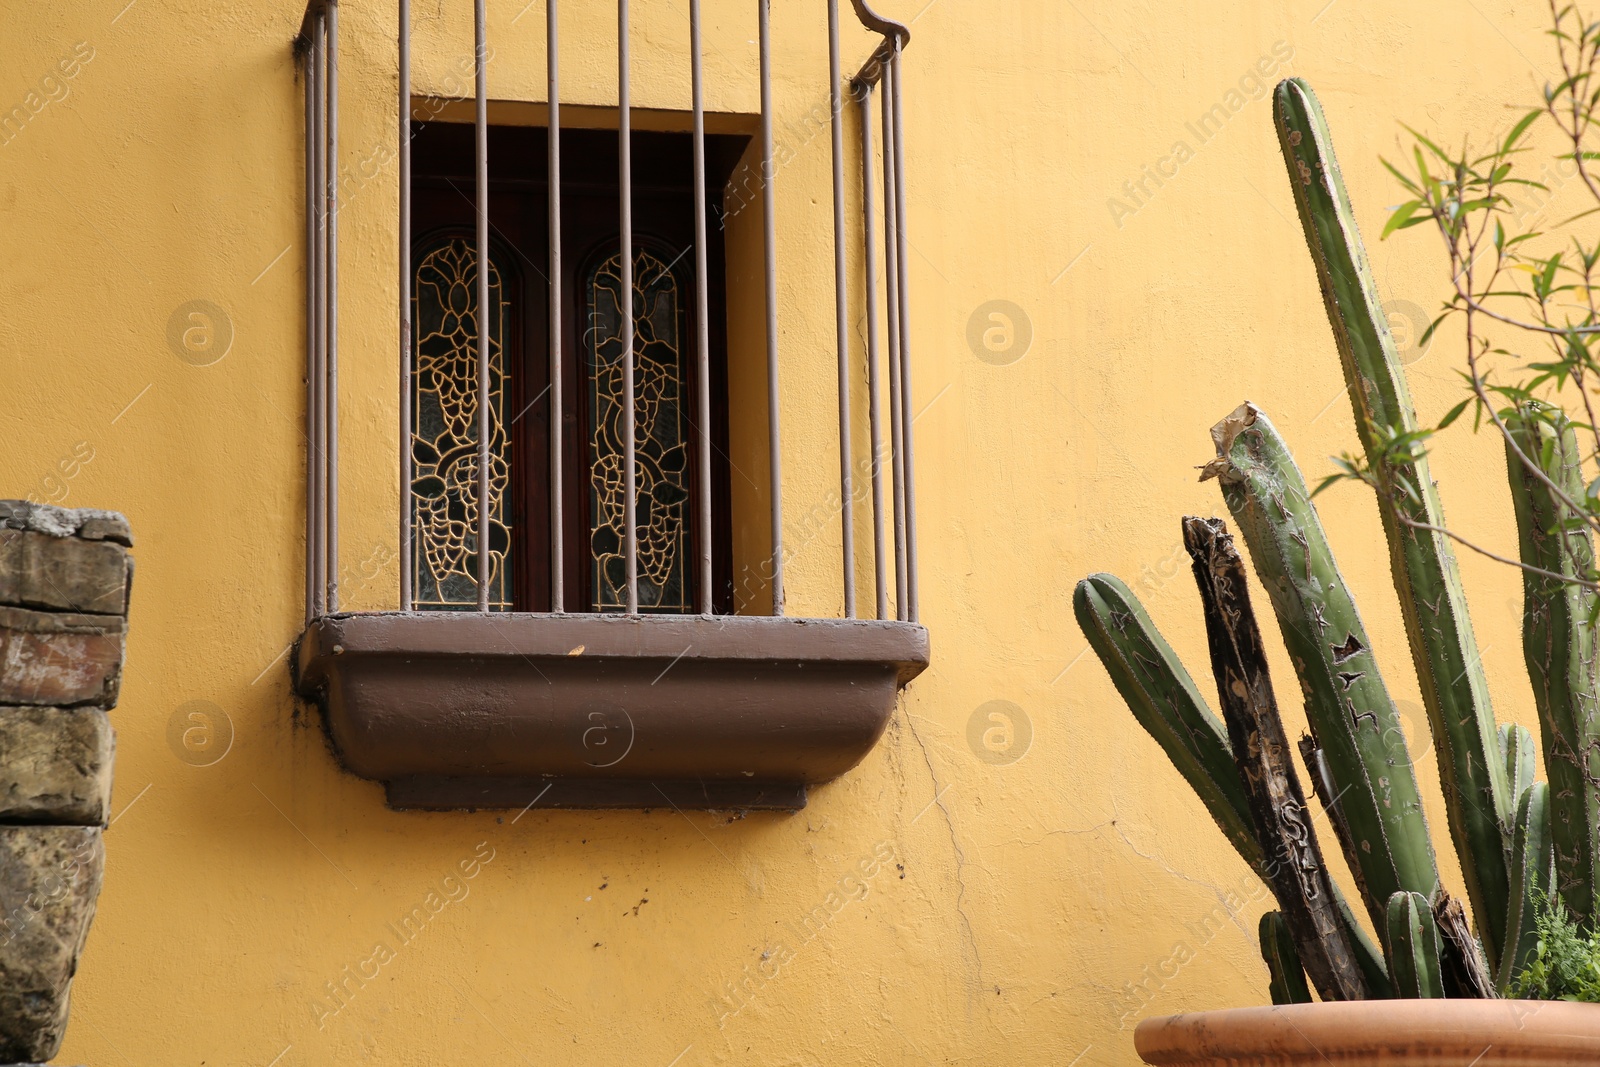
[(508, 710)]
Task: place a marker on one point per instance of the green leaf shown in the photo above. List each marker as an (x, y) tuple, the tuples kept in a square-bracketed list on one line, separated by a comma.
[(1411, 186), (1435, 149), (1434, 325), (1580, 215), (1520, 128), (1327, 482), (1402, 218), (1455, 413)]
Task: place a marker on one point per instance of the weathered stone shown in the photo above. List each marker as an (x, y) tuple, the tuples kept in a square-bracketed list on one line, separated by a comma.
[(56, 765), (49, 880), (91, 524), (40, 570), (106, 526), (60, 659)]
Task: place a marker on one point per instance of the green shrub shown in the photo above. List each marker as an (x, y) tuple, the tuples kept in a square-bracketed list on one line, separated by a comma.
[(1566, 963)]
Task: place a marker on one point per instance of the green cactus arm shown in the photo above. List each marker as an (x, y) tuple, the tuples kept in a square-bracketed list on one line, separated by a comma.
[(1288, 977), (1329, 794), (1347, 704), (1531, 860), (1559, 645), (1433, 604), (1369, 957), (1413, 948), (1522, 759), (1164, 699)]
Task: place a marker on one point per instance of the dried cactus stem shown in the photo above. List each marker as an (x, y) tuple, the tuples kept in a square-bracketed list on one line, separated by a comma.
[(1464, 971), (1354, 721), (1433, 603), (1294, 868), (1559, 644)]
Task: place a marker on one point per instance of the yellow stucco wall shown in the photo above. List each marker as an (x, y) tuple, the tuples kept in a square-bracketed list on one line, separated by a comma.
[(1021, 906)]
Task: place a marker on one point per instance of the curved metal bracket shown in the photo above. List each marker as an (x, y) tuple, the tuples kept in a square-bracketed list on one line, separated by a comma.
[(878, 24), (895, 37)]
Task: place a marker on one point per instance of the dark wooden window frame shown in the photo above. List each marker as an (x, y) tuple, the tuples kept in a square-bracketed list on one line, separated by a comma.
[(442, 203)]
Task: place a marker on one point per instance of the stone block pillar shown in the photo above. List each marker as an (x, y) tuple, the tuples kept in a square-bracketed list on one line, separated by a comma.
[(64, 583)]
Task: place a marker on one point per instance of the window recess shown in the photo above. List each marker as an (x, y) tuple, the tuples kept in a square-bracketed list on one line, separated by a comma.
[(577, 624), (683, 498)]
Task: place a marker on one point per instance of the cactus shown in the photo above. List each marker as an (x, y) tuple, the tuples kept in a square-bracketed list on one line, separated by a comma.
[(1164, 699), (1520, 842), (1559, 645), (1351, 715), (1433, 604), (1288, 977), (1295, 869), (1166, 702), (1531, 862), (1412, 942), (1516, 746)]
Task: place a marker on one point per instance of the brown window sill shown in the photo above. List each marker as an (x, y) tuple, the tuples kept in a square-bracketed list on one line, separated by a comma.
[(604, 711)]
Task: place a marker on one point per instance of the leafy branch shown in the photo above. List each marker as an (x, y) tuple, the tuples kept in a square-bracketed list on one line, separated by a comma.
[(1525, 296)]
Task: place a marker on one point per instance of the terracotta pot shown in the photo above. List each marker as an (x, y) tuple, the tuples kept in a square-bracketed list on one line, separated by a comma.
[(1378, 1033)]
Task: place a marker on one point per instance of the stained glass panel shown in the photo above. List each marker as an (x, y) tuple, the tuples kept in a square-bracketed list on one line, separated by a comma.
[(444, 442), (661, 435)]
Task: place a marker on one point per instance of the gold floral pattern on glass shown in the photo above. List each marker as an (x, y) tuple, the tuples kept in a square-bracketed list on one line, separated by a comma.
[(444, 442), (661, 437)]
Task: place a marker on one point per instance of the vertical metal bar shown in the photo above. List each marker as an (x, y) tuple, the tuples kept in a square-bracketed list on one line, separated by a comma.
[(553, 69), (332, 399), (913, 613), (702, 285), (874, 399), (891, 281), (480, 161), (406, 563), (312, 334), (770, 241), (630, 484), (319, 414), (841, 320)]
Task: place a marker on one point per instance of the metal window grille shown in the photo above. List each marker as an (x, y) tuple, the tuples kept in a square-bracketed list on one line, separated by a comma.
[(878, 81)]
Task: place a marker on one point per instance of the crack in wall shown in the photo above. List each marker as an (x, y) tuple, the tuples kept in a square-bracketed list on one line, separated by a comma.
[(970, 940), (1217, 891)]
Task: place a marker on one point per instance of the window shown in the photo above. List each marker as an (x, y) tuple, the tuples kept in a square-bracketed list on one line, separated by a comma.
[(445, 373), (591, 669)]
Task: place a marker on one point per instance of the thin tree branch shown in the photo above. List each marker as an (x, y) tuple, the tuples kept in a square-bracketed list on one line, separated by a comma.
[(1497, 557)]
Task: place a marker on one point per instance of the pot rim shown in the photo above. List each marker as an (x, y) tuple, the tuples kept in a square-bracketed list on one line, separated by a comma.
[(1421, 1032)]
